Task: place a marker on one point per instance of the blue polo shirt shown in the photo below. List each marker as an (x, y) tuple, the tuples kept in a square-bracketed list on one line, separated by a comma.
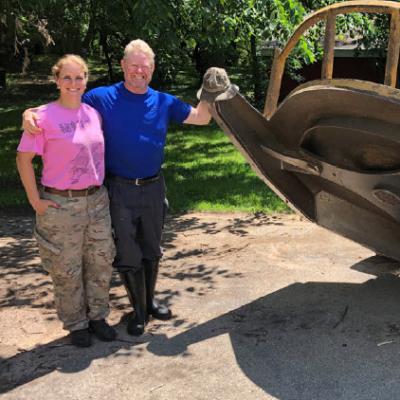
[(135, 127)]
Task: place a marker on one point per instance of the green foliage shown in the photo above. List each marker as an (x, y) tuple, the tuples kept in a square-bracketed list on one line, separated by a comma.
[(199, 32), (376, 35)]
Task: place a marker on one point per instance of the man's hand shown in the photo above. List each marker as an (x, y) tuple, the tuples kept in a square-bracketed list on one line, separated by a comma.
[(41, 206), (29, 121)]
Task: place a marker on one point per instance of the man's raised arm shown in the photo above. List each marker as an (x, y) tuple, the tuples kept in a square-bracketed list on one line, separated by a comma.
[(29, 121), (199, 115)]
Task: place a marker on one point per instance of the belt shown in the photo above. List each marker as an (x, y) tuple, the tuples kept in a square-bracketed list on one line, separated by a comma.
[(137, 181), (72, 193)]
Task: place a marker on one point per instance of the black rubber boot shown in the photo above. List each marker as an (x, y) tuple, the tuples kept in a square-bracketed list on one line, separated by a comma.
[(158, 311), (81, 338), (102, 330), (135, 286)]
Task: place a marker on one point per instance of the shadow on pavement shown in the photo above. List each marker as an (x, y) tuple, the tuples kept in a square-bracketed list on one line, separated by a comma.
[(61, 356), (312, 341), (25, 283)]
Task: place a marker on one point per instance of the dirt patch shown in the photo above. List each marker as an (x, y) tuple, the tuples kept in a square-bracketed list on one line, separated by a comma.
[(200, 249)]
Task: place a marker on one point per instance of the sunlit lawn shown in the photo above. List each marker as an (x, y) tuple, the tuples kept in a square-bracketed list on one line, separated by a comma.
[(203, 170)]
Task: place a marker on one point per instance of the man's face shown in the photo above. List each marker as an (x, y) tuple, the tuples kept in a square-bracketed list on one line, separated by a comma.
[(138, 71)]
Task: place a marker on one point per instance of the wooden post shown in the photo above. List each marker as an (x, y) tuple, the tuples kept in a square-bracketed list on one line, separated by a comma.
[(274, 86), (329, 46), (392, 58)]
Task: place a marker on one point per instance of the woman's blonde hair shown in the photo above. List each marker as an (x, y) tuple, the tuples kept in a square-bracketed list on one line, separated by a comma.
[(139, 45), (56, 68)]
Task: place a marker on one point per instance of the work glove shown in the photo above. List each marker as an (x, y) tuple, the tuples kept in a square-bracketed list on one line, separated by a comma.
[(216, 86)]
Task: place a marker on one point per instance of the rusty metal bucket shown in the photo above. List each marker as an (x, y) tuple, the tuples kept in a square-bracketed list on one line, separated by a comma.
[(331, 149)]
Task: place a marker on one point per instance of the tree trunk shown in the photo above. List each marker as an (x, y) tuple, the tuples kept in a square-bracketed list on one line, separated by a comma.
[(106, 50), (2, 78), (90, 32)]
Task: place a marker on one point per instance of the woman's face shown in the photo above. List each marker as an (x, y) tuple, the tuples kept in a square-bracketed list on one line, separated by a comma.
[(71, 80)]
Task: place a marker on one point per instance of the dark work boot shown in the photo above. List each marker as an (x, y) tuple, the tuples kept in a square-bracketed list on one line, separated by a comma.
[(155, 309), (135, 286), (102, 330), (80, 338)]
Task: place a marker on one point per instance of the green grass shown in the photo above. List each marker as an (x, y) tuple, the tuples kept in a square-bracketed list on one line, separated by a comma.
[(203, 170), (11, 193), (21, 92)]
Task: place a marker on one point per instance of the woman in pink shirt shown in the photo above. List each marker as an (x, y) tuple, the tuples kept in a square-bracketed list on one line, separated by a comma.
[(73, 225)]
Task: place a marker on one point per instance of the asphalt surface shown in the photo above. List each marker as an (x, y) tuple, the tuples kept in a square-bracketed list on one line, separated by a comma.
[(265, 308)]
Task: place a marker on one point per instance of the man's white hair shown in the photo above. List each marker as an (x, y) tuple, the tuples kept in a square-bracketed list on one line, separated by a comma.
[(139, 45)]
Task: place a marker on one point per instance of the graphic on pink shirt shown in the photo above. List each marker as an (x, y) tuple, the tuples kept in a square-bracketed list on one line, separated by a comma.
[(70, 127), (81, 164), (71, 146)]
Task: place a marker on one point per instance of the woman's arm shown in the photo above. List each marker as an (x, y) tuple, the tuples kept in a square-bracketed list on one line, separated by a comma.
[(27, 175)]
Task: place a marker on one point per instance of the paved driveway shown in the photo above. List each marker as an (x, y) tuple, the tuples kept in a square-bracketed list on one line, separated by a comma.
[(265, 308)]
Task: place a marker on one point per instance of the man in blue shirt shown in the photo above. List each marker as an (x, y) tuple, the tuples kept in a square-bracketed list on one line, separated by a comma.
[(135, 122)]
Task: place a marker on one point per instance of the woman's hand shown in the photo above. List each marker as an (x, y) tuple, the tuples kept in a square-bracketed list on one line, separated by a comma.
[(27, 174), (41, 206)]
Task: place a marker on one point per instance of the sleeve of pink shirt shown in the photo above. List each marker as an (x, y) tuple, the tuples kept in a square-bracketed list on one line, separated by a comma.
[(34, 143), (31, 143)]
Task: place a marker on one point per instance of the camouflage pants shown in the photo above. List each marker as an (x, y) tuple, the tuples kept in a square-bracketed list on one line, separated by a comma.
[(76, 247)]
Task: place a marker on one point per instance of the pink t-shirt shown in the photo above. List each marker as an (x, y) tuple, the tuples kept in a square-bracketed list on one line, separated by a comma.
[(71, 146)]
